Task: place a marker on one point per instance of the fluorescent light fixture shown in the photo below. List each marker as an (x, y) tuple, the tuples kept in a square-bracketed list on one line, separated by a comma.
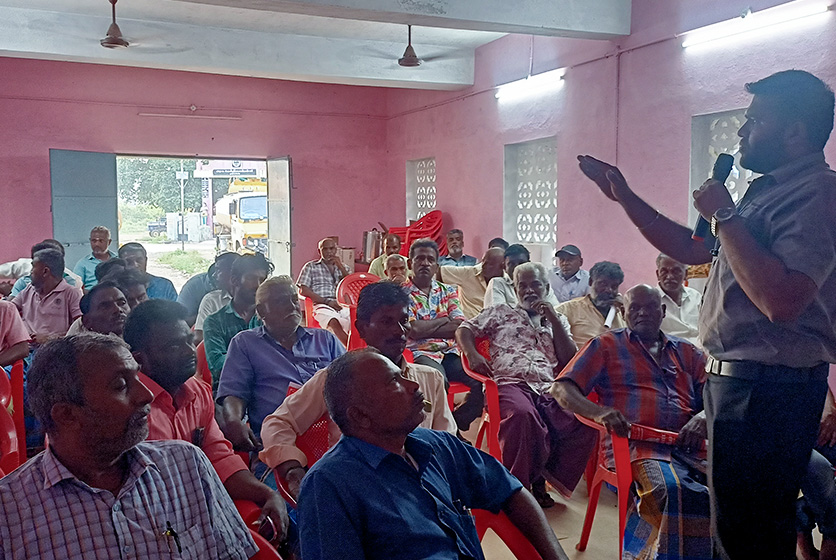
[(532, 85), (752, 21)]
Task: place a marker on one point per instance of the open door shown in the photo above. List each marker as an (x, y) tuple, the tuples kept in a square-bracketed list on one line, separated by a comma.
[(279, 183), (84, 195)]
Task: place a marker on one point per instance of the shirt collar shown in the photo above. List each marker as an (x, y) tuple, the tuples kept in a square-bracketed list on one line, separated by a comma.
[(55, 471), (666, 340), (92, 257), (793, 168), (301, 332), (184, 395), (420, 450)]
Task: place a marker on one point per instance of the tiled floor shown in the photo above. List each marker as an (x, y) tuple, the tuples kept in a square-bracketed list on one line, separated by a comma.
[(566, 518)]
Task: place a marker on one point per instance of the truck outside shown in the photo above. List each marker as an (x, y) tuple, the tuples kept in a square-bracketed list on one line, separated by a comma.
[(241, 216)]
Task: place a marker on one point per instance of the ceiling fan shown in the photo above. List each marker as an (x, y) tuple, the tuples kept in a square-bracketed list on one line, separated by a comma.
[(409, 58), (114, 37)]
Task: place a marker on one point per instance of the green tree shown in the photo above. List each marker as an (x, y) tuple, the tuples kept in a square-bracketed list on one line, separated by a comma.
[(153, 181)]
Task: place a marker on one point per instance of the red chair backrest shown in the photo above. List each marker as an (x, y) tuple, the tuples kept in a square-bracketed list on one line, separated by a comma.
[(348, 290), (315, 441), (265, 549), (310, 322), (10, 458), (5, 389), (17, 405), (408, 356), (513, 538), (203, 370)]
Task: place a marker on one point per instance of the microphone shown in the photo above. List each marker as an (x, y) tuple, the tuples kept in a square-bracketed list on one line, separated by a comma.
[(721, 171)]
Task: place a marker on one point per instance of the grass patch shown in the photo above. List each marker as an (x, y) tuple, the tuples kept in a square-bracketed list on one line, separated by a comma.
[(189, 262)]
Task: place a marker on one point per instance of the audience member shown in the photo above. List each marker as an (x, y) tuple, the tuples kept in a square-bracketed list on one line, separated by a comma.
[(382, 321), (133, 283), (529, 343), (25, 279), (473, 280), (390, 491), (682, 304), (455, 251), (217, 299), (501, 289), (182, 406), (196, 287), (99, 490), (498, 242), (391, 246), (136, 257), (643, 376), (568, 280), (104, 310), (14, 336), (589, 315), (435, 315), (48, 305), (113, 265), (263, 362), (247, 274), (86, 266), (816, 508), (396, 269), (318, 281)]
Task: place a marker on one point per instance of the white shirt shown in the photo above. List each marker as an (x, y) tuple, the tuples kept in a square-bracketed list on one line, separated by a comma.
[(501, 290), (682, 320), (212, 302), (573, 287)]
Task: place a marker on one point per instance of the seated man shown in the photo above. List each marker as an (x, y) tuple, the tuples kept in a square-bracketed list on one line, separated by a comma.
[(24, 280), (435, 315), (568, 279), (643, 376), (395, 270), (501, 289), (318, 280), (529, 344), (86, 266), (136, 257), (390, 491), (382, 321), (473, 280), (263, 362), (199, 285), (113, 265), (14, 336), (161, 343), (132, 282), (247, 274), (455, 251), (391, 246), (106, 492), (104, 310), (682, 304), (48, 305), (599, 310)]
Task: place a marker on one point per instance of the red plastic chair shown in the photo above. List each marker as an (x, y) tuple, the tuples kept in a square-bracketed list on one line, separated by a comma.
[(455, 388), (621, 477), (10, 457), (490, 420), (430, 225), (310, 322), (348, 293), (513, 538), (16, 381), (265, 549), (5, 390), (203, 372)]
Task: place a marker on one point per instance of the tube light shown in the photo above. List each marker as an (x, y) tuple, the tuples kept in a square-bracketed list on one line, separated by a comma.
[(752, 21), (531, 85)]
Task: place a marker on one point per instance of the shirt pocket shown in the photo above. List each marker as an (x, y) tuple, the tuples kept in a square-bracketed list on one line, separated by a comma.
[(194, 544)]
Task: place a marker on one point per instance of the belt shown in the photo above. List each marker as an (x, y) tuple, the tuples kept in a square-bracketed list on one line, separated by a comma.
[(756, 371)]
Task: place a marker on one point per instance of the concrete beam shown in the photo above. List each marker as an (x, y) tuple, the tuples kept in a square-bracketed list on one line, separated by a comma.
[(591, 19), (27, 33)]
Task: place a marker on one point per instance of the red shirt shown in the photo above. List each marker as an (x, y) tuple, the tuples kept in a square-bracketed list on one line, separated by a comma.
[(190, 416)]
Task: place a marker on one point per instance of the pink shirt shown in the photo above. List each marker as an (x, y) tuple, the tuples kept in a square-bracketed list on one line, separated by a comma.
[(12, 329), (190, 416), (52, 313)]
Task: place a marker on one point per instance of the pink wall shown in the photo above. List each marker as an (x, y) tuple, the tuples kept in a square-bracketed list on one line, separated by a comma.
[(634, 109), (334, 134)]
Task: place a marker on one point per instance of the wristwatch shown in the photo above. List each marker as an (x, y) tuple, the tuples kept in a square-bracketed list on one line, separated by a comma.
[(721, 216)]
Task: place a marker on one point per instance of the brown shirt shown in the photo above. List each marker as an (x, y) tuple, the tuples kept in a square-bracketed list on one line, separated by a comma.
[(792, 213)]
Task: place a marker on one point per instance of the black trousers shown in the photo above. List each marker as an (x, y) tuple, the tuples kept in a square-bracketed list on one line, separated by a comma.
[(761, 434), (452, 370)]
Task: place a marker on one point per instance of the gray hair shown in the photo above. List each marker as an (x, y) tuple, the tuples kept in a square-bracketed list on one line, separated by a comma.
[(265, 289), (395, 256), (100, 229), (534, 267), (340, 386), (55, 376)]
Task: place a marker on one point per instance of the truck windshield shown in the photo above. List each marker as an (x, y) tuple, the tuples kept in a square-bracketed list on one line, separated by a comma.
[(253, 208)]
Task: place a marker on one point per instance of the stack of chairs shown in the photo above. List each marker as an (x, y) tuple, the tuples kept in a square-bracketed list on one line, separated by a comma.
[(431, 226)]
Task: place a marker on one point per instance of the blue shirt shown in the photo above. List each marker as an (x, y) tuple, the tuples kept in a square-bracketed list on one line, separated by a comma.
[(193, 291), (464, 260), (86, 268), (362, 502), (259, 370), (161, 288)]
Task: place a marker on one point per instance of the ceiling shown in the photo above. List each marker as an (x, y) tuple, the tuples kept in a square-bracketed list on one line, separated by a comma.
[(334, 41)]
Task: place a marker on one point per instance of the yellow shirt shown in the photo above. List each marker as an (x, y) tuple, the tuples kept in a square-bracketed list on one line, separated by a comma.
[(585, 319), (378, 266), (472, 287)]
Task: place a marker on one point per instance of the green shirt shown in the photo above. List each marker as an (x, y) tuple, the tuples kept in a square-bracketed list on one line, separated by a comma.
[(218, 331)]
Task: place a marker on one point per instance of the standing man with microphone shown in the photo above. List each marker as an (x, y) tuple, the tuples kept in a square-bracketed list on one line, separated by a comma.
[(769, 308)]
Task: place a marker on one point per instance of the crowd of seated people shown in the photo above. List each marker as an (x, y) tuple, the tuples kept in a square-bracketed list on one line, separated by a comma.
[(271, 378)]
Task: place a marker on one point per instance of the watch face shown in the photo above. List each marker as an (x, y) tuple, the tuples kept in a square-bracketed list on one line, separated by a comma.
[(725, 213)]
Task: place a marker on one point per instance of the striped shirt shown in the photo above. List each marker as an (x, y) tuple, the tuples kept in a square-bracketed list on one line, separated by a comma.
[(46, 512), (665, 395)]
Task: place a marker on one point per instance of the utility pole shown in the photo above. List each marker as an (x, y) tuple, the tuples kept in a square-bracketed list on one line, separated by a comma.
[(182, 176)]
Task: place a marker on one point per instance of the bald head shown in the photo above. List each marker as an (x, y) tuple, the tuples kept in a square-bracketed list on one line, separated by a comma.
[(645, 311), (493, 263)]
